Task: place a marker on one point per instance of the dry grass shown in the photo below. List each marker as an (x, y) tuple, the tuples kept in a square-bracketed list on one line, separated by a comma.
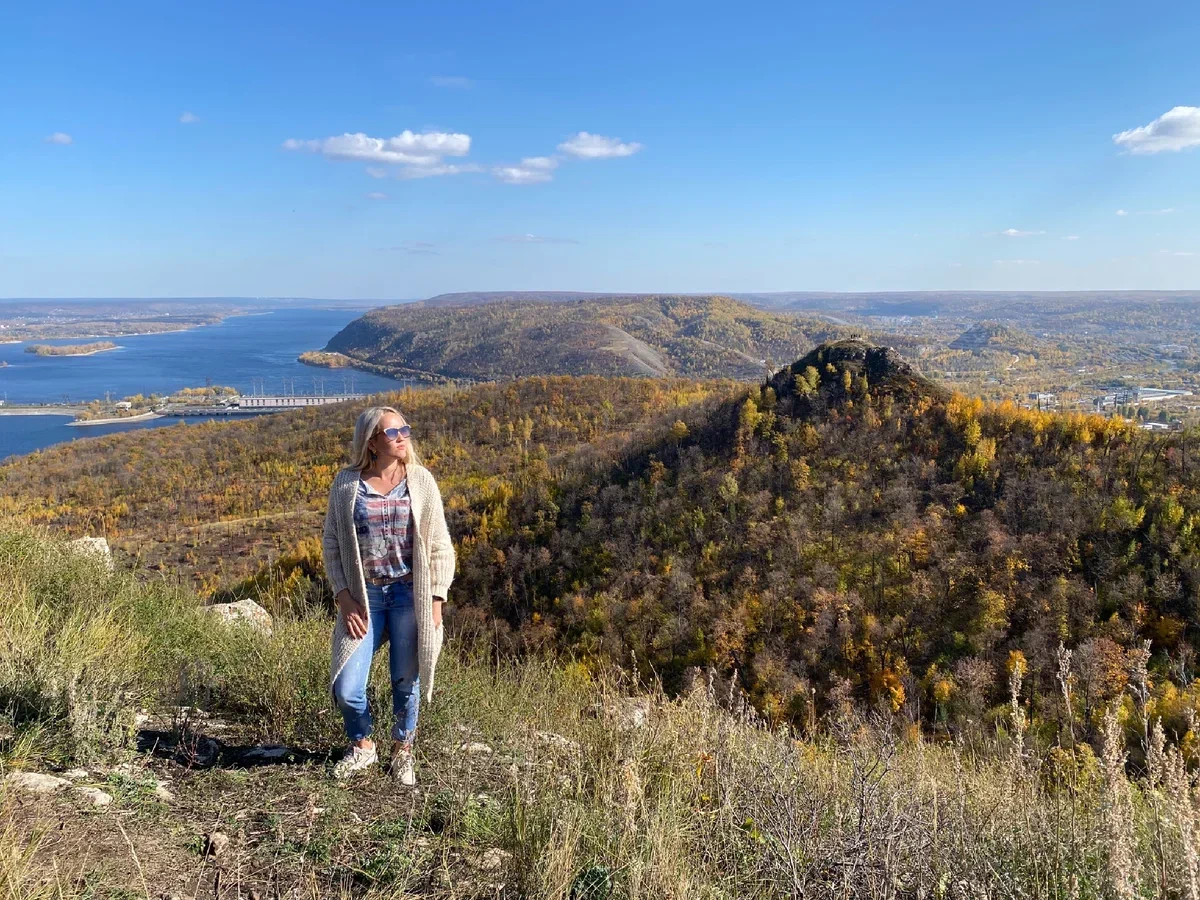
[(538, 780)]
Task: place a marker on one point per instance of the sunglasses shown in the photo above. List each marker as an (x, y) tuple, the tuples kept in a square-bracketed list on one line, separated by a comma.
[(394, 433)]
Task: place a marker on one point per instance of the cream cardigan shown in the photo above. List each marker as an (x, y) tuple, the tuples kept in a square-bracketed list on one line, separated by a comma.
[(433, 564)]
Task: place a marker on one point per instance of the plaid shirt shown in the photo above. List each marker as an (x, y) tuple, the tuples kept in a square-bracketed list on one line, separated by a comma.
[(383, 523)]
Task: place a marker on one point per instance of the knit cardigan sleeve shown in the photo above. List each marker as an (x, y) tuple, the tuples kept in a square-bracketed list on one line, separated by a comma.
[(441, 547), (331, 549)]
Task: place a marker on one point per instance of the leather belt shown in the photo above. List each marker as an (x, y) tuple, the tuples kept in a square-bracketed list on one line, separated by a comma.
[(383, 582)]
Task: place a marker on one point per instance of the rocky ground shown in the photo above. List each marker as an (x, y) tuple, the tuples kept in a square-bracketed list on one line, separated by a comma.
[(194, 814)]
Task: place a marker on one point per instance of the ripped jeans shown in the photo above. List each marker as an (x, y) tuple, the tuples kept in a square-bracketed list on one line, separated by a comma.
[(394, 619)]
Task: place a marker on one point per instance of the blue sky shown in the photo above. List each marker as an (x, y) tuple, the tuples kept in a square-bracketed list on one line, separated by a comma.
[(201, 149)]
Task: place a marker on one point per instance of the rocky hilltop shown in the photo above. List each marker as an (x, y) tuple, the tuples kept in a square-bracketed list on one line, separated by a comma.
[(884, 368)]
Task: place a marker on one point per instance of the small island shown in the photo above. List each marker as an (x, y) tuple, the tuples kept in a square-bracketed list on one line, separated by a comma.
[(326, 360), (71, 349)]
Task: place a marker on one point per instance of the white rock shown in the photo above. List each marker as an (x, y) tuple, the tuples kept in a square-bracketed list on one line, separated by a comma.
[(76, 774), (95, 796), (35, 782), (556, 740), (492, 859), (633, 712), (216, 843), (244, 611), (95, 548), (476, 748), (163, 795)]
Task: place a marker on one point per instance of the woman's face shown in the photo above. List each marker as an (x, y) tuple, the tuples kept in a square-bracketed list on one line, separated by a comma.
[(386, 448)]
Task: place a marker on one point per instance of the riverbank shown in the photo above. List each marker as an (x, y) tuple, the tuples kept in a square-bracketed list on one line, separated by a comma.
[(40, 411), (35, 339), (118, 420), (325, 359), (89, 352)]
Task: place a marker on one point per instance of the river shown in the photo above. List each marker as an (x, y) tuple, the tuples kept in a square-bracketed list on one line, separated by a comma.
[(255, 353)]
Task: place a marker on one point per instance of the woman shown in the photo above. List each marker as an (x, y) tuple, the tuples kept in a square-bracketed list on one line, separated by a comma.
[(389, 558)]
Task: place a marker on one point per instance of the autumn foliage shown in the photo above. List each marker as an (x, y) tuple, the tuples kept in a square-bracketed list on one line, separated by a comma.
[(844, 535)]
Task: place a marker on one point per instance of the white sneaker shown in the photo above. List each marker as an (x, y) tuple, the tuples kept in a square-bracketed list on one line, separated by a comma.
[(356, 759), (402, 767)]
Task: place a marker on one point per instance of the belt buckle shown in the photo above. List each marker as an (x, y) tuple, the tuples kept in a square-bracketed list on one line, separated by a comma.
[(384, 582)]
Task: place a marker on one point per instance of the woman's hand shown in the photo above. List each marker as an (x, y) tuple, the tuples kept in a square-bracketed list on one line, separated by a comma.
[(354, 613), (437, 612)]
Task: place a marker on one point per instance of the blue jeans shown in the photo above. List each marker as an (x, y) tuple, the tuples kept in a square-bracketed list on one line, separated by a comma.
[(394, 619)]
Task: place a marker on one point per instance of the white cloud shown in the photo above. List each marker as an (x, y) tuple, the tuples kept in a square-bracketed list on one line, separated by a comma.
[(189, 118), (450, 81), (1071, 237), (377, 195), (1015, 232), (1177, 129), (1177, 252), (1165, 211), (420, 154), (531, 170), (405, 149), (59, 137), (1018, 262), (533, 239), (596, 146)]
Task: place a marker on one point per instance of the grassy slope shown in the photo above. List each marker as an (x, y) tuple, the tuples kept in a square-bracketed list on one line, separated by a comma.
[(696, 801)]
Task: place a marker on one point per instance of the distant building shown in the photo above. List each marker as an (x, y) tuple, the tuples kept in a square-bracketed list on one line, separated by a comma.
[(1156, 395), (1137, 396), (293, 402), (124, 404)]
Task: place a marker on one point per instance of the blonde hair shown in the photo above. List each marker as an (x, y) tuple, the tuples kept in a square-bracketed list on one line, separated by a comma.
[(364, 430)]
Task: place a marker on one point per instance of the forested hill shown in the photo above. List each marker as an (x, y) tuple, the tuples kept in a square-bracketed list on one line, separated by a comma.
[(995, 336), (476, 298), (637, 336), (846, 532), (850, 532)]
